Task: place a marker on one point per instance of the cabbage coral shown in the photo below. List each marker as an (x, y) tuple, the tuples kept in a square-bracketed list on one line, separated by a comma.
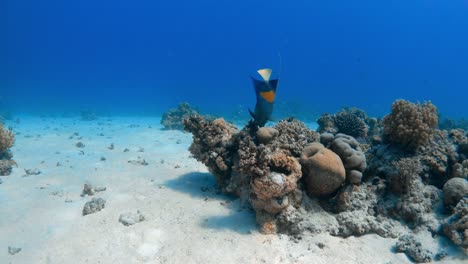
[(410, 125)]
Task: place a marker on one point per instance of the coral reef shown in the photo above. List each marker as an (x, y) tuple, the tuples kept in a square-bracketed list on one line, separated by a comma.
[(409, 125), (172, 119), (344, 185), (7, 139), (264, 174)]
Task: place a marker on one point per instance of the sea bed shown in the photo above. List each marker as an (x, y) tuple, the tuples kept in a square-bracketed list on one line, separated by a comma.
[(187, 219)]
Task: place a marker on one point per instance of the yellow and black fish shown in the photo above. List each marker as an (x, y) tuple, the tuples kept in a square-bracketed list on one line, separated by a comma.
[(265, 89)]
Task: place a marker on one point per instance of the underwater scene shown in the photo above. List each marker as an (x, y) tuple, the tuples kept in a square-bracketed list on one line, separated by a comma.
[(233, 131)]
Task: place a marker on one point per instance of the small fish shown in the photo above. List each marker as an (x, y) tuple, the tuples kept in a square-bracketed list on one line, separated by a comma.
[(265, 89)]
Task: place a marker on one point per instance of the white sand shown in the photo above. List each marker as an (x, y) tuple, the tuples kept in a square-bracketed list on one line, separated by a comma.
[(42, 213)]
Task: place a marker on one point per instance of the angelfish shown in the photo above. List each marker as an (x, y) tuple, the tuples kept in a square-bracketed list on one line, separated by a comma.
[(265, 89)]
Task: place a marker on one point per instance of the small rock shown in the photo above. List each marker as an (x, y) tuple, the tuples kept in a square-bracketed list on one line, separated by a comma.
[(111, 146), (13, 250), (454, 190), (93, 206), (90, 190), (129, 219), (103, 159), (1, 181), (441, 255), (176, 166), (413, 249), (138, 161), (320, 245), (32, 172), (140, 149), (126, 150), (58, 164), (79, 144)]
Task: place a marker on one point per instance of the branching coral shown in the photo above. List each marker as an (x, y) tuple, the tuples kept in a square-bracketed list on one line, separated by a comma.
[(349, 121), (293, 136), (351, 124), (410, 125)]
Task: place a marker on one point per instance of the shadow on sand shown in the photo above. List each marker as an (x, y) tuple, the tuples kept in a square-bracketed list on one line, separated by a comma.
[(202, 185)]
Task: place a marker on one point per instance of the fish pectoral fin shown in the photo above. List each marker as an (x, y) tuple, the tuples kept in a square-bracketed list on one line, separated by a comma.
[(252, 114)]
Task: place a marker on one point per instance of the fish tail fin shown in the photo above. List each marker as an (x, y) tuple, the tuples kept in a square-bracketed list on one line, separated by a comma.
[(252, 114)]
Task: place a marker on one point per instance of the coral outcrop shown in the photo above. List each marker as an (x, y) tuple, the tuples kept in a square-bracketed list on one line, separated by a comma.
[(410, 125), (7, 139), (211, 145), (264, 172), (172, 119), (404, 177)]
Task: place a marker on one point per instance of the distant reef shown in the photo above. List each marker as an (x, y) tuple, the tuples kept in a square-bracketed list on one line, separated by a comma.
[(355, 175), (173, 118), (7, 139)]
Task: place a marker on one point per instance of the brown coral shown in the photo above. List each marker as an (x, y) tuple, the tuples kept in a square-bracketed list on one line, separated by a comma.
[(323, 170), (269, 192), (352, 156), (266, 134), (410, 125)]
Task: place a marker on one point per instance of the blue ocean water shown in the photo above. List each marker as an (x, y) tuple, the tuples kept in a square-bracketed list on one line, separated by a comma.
[(147, 56)]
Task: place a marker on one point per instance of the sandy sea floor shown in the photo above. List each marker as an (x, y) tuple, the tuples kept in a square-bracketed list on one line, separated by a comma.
[(187, 219)]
